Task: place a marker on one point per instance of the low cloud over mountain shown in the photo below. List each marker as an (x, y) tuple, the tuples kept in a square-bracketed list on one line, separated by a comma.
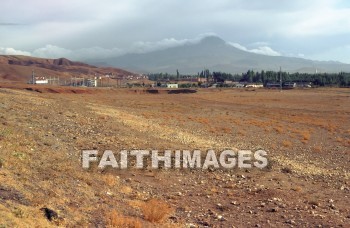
[(211, 52), (207, 51)]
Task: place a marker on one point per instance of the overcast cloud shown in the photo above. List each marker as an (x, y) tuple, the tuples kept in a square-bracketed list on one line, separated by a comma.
[(90, 29)]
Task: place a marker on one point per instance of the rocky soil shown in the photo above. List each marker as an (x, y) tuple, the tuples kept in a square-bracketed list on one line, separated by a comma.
[(305, 133)]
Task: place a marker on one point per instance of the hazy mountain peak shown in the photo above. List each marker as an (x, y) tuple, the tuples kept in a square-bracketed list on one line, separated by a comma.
[(212, 40), (213, 53)]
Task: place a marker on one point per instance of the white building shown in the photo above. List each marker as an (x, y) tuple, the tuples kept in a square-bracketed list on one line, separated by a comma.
[(254, 85), (91, 82), (172, 86), (40, 80)]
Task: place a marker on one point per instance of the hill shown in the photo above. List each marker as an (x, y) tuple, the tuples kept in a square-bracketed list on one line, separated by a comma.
[(19, 68), (215, 54)]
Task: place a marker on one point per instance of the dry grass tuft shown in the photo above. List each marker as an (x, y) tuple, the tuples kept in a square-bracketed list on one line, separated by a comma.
[(138, 204), (286, 143), (156, 210), (111, 180), (114, 219), (304, 141), (241, 132), (347, 143), (203, 120), (126, 190), (297, 189), (317, 149), (305, 135), (278, 129), (226, 130), (339, 140)]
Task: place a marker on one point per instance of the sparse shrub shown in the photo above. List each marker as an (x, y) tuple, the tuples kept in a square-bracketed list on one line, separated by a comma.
[(18, 212), (286, 143), (347, 143), (273, 146), (304, 141), (286, 170), (314, 203), (259, 123), (110, 180), (278, 129), (267, 129), (226, 130), (241, 132), (4, 133), (146, 115), (236, 121), (212, 130), (156, 210), (214, 190), (19, 155), (125, 190), (317, 149), (203, 120), (114, 219), (297, 189), (270, 165), (339, 140), (331, 127), (305, 135)]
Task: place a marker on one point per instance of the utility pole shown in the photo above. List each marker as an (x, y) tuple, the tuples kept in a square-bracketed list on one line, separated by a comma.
[(280, 79), (33, 77)]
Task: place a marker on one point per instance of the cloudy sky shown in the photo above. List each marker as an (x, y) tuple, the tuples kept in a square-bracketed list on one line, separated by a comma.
[(91, 29)]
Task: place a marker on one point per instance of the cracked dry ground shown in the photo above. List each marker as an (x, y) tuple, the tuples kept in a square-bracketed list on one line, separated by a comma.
[(305, 132)]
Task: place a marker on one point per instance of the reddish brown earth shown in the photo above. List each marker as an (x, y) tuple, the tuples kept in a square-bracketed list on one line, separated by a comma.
[(306, 134)]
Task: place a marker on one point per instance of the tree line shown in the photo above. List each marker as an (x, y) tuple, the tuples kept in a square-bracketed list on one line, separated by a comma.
[(341, 79)]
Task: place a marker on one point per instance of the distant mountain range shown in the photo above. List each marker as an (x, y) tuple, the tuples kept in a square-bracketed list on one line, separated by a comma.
[(215, 54), (19, 68)]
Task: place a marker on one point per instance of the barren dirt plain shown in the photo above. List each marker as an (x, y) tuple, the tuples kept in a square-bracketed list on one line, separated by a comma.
[(43, 131)]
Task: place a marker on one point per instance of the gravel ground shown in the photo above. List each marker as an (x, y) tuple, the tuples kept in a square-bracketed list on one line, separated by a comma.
[(305, 133)]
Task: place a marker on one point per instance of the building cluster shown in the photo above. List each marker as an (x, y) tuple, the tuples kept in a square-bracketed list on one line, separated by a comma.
[(106, 80), (40, 80), (109, 80), (132, 77)]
